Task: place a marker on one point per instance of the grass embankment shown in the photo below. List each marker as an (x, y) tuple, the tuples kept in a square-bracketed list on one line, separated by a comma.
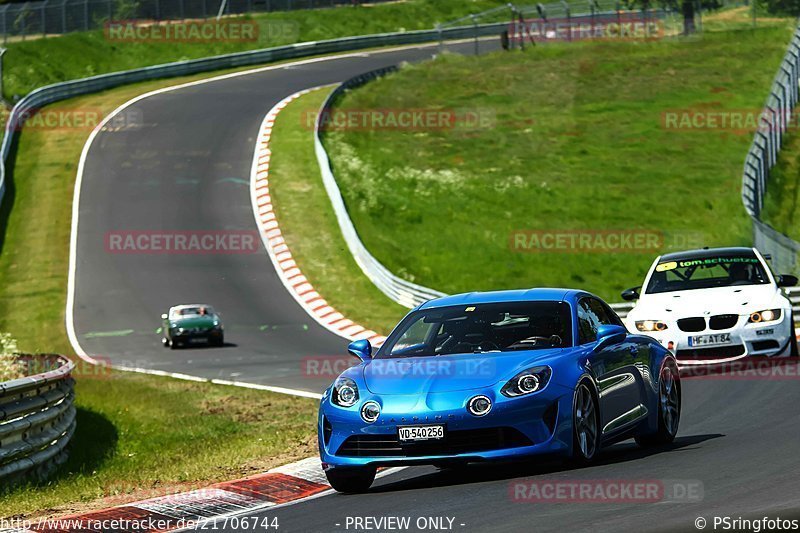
[(31, 64), (138, 436), (579, 143), (309, 225)]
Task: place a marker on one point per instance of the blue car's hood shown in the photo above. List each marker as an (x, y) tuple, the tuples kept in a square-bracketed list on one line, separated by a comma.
[(447, 373)]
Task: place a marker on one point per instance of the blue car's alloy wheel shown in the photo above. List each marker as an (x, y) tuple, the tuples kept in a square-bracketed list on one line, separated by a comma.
[(669, 401), (669, 408), (585, 425)]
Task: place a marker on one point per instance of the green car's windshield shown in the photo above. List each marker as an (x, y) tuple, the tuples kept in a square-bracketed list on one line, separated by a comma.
[(481, 328), (193, 311)]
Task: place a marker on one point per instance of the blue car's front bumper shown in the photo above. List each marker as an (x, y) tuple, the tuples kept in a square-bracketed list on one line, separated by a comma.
[(535, 424)]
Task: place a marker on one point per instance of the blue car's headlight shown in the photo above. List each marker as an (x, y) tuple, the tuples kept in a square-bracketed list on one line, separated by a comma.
[(527, 382), (345, 392)]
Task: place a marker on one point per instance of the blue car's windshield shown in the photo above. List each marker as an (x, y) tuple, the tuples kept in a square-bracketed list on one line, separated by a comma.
[(481, 328)]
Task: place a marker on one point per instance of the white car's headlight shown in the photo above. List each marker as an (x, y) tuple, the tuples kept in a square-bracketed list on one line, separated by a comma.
[(768, 315), (650, 325), (345, 392)]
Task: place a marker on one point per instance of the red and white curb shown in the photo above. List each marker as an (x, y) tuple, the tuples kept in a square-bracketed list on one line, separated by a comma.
[(288, 271), (244, 497)]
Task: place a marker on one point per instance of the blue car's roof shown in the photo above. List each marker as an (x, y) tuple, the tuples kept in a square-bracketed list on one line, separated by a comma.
[(521, 295)]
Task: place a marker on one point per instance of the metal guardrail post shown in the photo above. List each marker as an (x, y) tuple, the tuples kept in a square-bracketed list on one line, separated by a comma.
[(64, 16), (475, 26)]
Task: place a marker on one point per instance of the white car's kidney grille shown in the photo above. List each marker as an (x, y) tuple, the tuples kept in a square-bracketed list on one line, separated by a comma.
[(723, 321), (695, 323)]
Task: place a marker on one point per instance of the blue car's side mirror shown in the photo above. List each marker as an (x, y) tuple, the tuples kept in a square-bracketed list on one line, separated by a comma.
[(361, 349), (609, 334)]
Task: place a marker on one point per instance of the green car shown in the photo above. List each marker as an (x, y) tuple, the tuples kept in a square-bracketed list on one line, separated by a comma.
[(192, 324)]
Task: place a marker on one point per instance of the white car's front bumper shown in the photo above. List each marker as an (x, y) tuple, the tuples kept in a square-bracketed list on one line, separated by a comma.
[(768, 339)]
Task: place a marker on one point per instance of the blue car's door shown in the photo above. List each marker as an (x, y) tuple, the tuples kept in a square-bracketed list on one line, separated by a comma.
[(615, 367)]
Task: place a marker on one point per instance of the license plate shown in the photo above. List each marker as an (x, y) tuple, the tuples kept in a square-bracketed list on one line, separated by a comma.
[(198, 340), (416, 433), (710, 340)]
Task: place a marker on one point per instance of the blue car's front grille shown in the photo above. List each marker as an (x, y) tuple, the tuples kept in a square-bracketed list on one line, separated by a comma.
[(455, 442)]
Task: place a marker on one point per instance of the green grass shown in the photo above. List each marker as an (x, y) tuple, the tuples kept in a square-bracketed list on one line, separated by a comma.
[(577, 144), (138, 436), (309, 225), (31, 64)]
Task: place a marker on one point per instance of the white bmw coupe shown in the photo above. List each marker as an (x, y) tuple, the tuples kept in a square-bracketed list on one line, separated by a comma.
[(714, 306)]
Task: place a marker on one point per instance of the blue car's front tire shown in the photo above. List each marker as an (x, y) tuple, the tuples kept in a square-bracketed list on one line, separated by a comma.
[(351, 480), (669, 408), (585, 425)]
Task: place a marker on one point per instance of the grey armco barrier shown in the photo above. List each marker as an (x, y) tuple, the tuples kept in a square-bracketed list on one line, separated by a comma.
[(401, 291), (763, 154), (37, 419), (61, 91)]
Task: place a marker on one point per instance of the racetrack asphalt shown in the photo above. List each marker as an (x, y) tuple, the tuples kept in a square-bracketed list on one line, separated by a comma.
[(181, 162), (735, 454)]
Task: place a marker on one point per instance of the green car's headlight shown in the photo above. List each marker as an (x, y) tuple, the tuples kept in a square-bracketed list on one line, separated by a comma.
[(527, 382)]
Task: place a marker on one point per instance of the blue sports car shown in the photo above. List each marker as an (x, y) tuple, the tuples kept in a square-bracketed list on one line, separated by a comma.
[(493, 376)]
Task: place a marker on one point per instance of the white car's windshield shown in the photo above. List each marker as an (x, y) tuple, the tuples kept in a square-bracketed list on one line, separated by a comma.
[(481, 328), (707, 272)]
